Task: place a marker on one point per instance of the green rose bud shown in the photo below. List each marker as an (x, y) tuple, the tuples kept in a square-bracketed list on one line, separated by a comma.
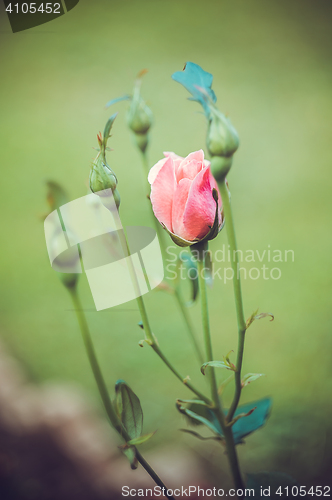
[(222, 141), (139, 115), (102, 178), (222, 138)]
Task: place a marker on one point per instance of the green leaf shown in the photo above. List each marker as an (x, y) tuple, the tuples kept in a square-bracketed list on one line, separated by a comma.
[(250, 377), (198, 82), (56, 195), (265, 315), (214, 364), (108, 127), (191, 266), (246, 425), (125, 97), (224, 384), (129, 409), (202, 438), (199, 415), (194, 401), (273, 481), (130, 453), (141, 439), (254, 316)]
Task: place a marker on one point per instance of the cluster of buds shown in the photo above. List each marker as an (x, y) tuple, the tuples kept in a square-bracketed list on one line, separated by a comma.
[(102, 178), (222, 139), (139, 115)]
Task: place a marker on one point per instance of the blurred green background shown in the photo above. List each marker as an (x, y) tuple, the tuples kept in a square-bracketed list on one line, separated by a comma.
[(271, 63)]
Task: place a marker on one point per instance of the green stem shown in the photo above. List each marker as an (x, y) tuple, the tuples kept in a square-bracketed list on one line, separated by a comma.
[(241, 323), (114, 419), (152, 341), (190, 329), (206, 331), (161, 233), (227, 431), (233, 459), (145, 164)]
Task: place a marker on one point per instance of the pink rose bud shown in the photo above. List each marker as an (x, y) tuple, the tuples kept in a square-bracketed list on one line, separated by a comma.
[(185, 198)]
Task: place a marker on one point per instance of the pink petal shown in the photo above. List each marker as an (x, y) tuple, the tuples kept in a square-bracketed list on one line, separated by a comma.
[(179, 205), (188, 169), (172, 155), (162, 193), (201, 207), (176, 158), (196, 155), (154, 171)]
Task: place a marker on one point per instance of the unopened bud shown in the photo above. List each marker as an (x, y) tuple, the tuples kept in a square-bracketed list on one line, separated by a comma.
[(101, 176), (139, 115), (222, 141), (103, 180)]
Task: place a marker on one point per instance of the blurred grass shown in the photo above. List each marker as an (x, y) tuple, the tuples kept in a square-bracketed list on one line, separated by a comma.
[(271, 63)]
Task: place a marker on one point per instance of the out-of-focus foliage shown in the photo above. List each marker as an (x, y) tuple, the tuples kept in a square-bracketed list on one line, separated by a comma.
[(271, 63)]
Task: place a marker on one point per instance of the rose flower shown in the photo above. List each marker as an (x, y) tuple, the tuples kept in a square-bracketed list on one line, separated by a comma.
[(185, 198)]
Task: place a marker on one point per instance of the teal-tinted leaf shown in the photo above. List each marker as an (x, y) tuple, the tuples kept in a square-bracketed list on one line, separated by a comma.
[(213, 425), (141, 439), (198, 82), (130, 453), (199, 415), (214, 364), (129, 409), (246, 425), (202, 438), (273, 481), (202, 410), (125, 97), (191, 267)]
